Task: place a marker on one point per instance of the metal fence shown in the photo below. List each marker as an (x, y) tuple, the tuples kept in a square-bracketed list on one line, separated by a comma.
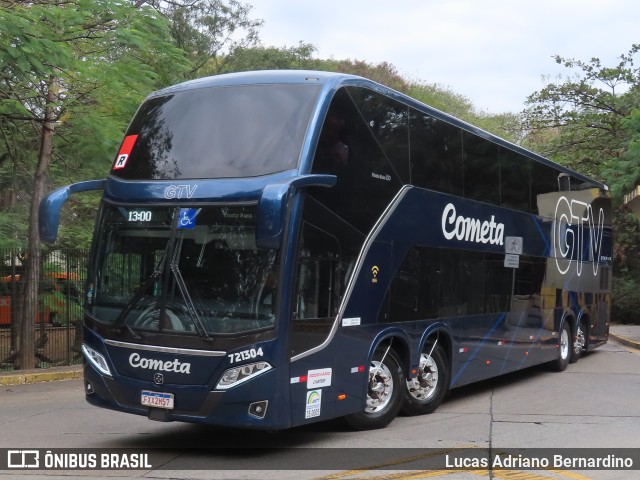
[(58, 316)]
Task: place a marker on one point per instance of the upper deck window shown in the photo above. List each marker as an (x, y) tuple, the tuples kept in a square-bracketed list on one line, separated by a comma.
[(218, 132)]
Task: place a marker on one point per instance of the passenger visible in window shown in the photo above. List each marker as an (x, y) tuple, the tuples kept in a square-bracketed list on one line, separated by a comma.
[(333, 152)]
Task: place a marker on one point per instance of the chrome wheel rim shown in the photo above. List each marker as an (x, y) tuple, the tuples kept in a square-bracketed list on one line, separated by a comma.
[(564, 344), (380, 388), (580, 341), (423, 386)]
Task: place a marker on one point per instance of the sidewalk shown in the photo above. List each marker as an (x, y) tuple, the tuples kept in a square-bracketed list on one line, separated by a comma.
[(628, 335)]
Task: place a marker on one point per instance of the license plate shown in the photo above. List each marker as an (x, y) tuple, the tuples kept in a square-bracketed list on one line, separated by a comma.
[(157, 399)]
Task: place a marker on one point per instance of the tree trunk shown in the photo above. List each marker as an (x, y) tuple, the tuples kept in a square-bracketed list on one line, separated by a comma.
[(27, 354)]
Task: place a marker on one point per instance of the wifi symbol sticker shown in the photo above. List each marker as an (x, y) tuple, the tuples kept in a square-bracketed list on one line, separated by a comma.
[(374, 274)]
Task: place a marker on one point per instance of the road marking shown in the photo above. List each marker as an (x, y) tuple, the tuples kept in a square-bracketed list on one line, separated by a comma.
[(400, 461), (374, 470), (520, 475), (416, 475)]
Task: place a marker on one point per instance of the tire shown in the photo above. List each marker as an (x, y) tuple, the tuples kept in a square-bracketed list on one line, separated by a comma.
[(565, 348), (384, 391), (424, 393), (580, 343)]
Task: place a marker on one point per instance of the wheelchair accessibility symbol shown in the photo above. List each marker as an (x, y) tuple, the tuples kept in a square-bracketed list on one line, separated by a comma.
[(187, 218)]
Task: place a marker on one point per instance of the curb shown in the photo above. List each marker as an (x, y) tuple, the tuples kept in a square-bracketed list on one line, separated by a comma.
[(625, 341), (21, 378)]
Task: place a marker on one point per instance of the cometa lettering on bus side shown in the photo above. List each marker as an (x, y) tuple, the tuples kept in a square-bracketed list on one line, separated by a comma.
[(471, 229)]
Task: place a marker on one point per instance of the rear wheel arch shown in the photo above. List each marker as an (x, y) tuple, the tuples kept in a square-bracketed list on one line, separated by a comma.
[(399, 342)]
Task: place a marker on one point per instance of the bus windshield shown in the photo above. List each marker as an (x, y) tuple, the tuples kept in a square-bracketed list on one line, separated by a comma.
[(188, 270), (218, 132)]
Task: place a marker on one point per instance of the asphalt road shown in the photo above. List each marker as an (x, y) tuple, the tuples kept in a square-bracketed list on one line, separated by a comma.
[(593, 404)]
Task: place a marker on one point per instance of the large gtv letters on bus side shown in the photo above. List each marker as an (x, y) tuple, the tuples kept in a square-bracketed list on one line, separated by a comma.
[(568, 235)]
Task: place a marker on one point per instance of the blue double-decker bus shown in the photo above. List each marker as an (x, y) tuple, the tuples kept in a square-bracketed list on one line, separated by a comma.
[(279, 248)]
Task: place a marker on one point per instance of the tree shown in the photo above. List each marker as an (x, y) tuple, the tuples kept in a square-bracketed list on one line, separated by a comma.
[(243, 59), (209, 31), (56, 60), (586, 113)]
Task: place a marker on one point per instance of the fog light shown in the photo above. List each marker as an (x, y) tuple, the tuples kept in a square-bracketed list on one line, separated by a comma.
[(258, 409)]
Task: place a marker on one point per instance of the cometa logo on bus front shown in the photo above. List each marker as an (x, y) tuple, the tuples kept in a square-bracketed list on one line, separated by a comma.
[(136, 361), (471, 229)]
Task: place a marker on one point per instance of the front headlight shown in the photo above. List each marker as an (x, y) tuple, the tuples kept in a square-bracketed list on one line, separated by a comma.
[(242, 373), (96, 359)]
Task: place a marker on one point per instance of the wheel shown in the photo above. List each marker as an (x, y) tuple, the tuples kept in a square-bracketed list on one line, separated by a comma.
[(580, 342), (564, 350), (384, 394), (426, 391)]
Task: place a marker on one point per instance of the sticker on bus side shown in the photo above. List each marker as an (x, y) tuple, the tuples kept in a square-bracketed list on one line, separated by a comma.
[(314, 400), (319, 378), (351, 322)]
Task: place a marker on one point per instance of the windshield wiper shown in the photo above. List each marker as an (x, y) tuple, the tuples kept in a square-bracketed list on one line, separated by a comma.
[(161, 272), (184, 291), (137, 296)]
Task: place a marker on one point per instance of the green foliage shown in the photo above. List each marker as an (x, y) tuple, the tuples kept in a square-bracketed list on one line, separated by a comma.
[(623, 172), (210, 31), (626, 268), (506, 125), (586, 114), (443, 99), (384, 73), (105, 57), (626, 304), (244, 59)]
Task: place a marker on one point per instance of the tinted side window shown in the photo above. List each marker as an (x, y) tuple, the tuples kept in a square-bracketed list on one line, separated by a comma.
[(326, 259), (436, 154), (530, 276), (435, 283), (515, 181), (544, 181), (481, 169), (497, 281), (388, 121), (349, 148)]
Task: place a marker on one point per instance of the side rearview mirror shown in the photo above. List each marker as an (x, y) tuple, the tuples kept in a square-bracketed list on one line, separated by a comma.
[(273, 202), (50, 206)]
